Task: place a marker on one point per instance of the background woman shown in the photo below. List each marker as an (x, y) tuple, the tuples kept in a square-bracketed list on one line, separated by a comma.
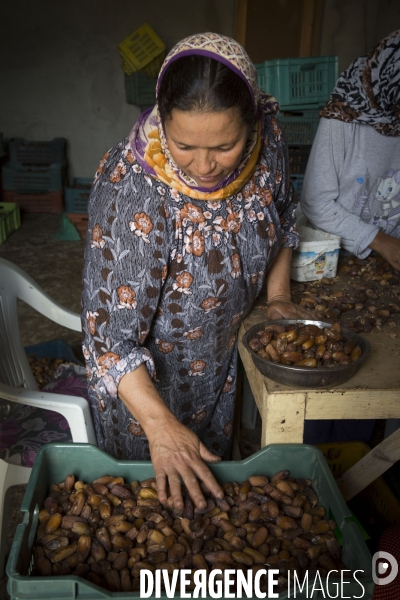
[(187, 217), (352, 182)]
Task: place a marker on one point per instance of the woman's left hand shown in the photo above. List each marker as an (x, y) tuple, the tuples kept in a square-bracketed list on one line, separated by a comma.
[(286, 309)]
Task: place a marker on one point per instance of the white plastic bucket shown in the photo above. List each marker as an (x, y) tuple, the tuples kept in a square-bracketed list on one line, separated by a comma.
[(317, 256)]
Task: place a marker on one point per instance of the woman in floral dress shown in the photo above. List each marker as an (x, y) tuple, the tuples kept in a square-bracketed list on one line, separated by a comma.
[(187, 217)]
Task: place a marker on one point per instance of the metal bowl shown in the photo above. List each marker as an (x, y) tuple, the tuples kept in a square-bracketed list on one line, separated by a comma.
[(307, 377)]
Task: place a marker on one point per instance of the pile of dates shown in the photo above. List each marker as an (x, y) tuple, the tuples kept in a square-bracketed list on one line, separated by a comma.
[(108, 530), (43, 369), (305, 345), (369, 297)]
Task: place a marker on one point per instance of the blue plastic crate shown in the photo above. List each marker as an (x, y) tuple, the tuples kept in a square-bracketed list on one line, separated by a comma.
[(33, 178), (298, 158), (77, 196), (297, 182), (299, 82), (53, 349), (300, 126), (140, 90), (37, 153)]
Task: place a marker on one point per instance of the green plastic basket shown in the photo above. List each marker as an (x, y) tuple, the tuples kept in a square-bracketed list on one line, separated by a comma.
[(299, 126), (54, 461), (299, 82), (140, 89), (10, 219)]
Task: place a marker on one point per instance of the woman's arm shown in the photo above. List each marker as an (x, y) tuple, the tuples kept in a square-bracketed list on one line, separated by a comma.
[(176, 451), (388, 247), (121, 268), (321, 190), (280, 305)]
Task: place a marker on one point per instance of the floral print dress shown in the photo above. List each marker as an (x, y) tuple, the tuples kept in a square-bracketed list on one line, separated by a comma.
[(167, 282)]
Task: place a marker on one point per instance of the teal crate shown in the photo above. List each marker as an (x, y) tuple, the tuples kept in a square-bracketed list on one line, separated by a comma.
[(77, 196), (140, 90), (53, 349), (300, 126), (37, 153), (33, 178), (298, 82), (55, 461)]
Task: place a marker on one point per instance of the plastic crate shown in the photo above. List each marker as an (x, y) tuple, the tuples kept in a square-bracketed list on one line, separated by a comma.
[(143, 50), (53, 202), (3, 234), (299, 126), (297, 182), (10, 215), (54, 461), (341, 456), (37, 153), (53, 349), (31, 179), (77, 196), (140, 90), (80, 221), (298, 158), (298, 82)]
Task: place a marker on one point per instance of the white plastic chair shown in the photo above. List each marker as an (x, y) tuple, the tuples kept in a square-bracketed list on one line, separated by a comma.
[(17, 383)]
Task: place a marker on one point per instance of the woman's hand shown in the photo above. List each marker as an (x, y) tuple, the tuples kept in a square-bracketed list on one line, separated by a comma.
[(286, 309), (176, 452), (388, 247), (280, 305)]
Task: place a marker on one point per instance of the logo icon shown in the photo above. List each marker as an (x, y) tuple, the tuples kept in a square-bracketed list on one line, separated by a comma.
[(384, 568)]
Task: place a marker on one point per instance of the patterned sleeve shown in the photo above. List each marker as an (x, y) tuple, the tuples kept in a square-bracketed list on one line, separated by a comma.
[(285, 198), (126, 259)]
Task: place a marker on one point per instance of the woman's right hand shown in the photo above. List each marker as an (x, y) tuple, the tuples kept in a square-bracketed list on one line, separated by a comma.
[(388, 247), (176, 452)]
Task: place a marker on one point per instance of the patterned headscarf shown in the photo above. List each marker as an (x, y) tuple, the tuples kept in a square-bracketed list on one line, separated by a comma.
[(148, 140), (368, 92)]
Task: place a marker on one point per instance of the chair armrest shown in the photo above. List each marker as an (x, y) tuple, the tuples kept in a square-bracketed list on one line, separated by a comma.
[(23, 286), (75, 409)]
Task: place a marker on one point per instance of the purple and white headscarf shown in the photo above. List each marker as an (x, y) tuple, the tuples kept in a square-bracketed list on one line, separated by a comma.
[(148, 140)]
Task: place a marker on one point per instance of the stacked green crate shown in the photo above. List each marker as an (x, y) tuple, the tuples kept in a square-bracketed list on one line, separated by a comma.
[(301, 86), (140, 90)]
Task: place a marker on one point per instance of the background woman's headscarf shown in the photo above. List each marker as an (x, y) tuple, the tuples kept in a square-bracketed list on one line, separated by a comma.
[(148, 140), (368, 92)]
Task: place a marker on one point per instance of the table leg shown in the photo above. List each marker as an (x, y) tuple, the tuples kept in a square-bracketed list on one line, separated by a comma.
[(283, 418)]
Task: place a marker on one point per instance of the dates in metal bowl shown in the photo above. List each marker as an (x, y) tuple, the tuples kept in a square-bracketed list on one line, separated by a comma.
[(306, 376)]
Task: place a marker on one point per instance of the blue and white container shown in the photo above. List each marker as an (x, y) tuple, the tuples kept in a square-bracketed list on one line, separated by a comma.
[(317, 255)]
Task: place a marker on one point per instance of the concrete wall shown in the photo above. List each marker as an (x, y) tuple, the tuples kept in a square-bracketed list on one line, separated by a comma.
[(351, 28), (60, 72)]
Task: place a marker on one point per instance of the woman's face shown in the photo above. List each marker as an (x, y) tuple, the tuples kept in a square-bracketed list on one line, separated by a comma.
[(207, 146)]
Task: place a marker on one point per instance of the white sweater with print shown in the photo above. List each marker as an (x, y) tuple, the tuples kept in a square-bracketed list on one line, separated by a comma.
[(352, 184)]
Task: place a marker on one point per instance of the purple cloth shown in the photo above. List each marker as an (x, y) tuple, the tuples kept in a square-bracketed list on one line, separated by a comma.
[(28, 428)]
